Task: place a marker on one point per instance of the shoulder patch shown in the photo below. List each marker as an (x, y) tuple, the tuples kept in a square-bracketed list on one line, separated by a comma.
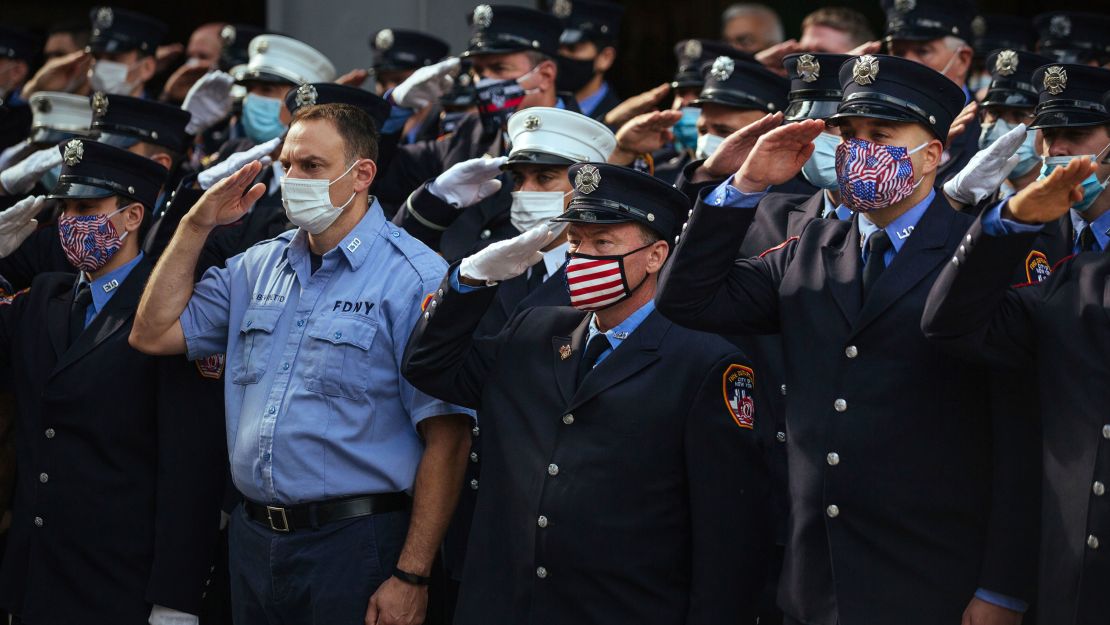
[(1037, 268), (7, 299), (211, 367), (737, 386), (779, 246)]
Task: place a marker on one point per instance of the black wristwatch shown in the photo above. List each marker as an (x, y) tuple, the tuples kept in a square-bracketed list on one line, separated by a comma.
[(411, 578)]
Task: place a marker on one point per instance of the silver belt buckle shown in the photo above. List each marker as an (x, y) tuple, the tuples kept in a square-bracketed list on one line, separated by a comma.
[(274, 514)]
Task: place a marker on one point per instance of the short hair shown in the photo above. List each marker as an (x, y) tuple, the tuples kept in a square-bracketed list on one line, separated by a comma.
[(848, 21), (537, 57), (359, 132), (742, 9)]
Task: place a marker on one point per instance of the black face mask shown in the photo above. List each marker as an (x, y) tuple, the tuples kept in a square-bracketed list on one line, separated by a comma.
[(574, 74)]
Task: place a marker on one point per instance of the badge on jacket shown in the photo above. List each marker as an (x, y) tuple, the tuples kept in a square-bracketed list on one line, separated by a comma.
[(1037, 268), (211, 367), (738, 385)]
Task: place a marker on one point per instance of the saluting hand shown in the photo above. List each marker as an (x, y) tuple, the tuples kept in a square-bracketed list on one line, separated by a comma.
[(1049, 199), (778, 156), (637, 104), (734, 150), (644, 134), (959, 125), (65, 73), (228, 199)]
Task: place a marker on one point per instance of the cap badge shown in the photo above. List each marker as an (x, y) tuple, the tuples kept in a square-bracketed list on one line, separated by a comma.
[(586, 181), (1059, 26), (99, 104), (865, 70), (104, 17), (562, 8), (483, 15), (227, 35), (384, 39), (722, 68), (74, 152), (808, 68), (692, 49), (979, 26), (1006, 63), (905, 6), (1055, 80), (261, 45), (531, 122), (306, 95)]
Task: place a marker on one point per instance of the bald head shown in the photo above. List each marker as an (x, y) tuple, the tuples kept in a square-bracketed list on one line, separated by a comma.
[(205, 44)]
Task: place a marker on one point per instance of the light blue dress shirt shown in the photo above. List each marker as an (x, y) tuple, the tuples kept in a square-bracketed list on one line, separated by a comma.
[(103, 288), (315, 402), (620, 332), (589, 104), (1100, 227)]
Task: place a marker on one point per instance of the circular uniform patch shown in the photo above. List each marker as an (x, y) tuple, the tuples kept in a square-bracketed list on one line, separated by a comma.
[(738, 386)]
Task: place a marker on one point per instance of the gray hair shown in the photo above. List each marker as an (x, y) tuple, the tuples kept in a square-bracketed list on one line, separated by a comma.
[(744, 9)]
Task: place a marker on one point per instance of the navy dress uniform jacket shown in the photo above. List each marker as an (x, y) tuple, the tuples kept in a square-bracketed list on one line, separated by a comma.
[(1058, 333), (891, 447), (121, 465), (652, 498)]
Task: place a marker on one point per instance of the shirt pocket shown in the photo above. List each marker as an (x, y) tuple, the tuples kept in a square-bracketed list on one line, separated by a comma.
[(256, 343), (339, 356)]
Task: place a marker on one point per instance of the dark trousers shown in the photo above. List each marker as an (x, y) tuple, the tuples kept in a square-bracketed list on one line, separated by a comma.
[(322, 576)]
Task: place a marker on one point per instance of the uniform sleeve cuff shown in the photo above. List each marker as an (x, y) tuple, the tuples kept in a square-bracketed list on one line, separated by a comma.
[(727, 195), (1001, 600), (996, 226), (459, 286)]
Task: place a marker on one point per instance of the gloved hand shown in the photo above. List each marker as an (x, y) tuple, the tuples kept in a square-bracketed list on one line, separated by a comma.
[(208, 101), (469, 182), (168, 616), (235, 162), (426, 84), (18, 222), (21, 177), (509, 258), (985, 172)]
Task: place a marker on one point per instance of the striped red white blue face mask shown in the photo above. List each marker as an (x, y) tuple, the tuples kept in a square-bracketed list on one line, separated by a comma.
[(873, 176), (598, 282)]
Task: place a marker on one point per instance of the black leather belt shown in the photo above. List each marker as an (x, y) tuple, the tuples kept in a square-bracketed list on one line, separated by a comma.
[(312, 515)]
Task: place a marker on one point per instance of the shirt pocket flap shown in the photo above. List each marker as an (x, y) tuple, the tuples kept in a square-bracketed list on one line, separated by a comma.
[(260, 320), (355, 331)]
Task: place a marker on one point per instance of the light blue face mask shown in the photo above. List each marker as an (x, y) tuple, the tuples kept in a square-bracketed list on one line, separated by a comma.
[(49, 179), (262, 118), (1092, 186), (820, 169), (686, 129), (1027, 153)]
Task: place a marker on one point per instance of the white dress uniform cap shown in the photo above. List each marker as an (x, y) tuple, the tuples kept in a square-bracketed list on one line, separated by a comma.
[(558, 137), (278, 58), (55, 110)]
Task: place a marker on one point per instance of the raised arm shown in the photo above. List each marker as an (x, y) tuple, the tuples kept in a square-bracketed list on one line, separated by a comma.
[(157, 327)]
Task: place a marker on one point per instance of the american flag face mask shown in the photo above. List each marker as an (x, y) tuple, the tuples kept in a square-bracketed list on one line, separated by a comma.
[(873, 176), (597, 282)]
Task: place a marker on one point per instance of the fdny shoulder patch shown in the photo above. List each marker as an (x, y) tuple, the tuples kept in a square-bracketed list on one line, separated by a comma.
[(1037, 268), (211, 367), (737, 385), (779, 246)]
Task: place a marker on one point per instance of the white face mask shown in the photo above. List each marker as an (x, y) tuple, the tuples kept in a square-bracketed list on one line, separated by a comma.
[(308, 204), (110, 77), (531, 208), (707, 145)]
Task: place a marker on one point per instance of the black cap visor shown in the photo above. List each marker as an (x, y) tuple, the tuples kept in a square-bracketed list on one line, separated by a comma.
[(811, 109)]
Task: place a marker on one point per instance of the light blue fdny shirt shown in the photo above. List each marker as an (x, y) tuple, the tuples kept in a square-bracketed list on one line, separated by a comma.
[(316, 405)]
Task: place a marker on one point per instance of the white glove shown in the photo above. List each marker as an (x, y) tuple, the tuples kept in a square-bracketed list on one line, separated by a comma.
[(21, 177), (986, 171), (15, 153), (426, 84), (469, 182), (18, 222), (509, 258), (168, 616), (208, 101), (233, 163)]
